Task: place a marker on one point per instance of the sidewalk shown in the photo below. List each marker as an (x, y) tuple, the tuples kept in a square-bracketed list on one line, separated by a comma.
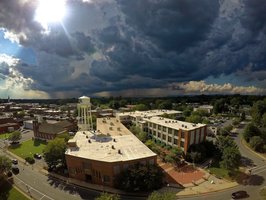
[(205, 188)]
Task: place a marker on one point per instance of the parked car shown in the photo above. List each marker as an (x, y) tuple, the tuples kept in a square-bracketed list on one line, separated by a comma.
[(239, 194), (15, 169), (37, 156), (15, 161)]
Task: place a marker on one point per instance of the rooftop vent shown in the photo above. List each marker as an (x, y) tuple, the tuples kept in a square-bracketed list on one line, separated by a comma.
[(87, 136), (113, 147), (89, 141), (84, 133), (114, 140), (182, 125), (119, 151), (185, 126)]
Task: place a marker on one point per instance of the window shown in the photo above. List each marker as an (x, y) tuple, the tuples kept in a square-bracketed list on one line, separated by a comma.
[(175, 141), (169, 139), (164, 137), (182, 144), (164, 129), (159, 135), (176, 132), (183, 134), (159, 127), (154, 125), (169, 130)]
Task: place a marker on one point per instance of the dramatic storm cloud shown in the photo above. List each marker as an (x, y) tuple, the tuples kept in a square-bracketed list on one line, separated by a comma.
[(133, 48)]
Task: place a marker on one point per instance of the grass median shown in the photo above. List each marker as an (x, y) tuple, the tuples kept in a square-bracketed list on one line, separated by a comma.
[(7, 192)]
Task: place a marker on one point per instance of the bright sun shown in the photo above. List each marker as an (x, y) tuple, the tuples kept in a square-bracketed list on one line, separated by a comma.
[(50, 11)]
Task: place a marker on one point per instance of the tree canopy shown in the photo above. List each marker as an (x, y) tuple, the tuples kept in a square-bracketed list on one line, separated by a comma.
[(106, 196), (15, 136), (5, 164), (140, 177), (54, 152)]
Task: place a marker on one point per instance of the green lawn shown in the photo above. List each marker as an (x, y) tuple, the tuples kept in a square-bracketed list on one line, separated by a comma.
[(220, 172), (4, 135), (28, 148), (7, 192)]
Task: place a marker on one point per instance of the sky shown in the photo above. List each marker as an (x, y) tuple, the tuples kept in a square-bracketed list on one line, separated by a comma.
[(70, 48)]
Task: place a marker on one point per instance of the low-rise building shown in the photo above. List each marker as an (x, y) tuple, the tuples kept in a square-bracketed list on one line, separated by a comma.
[(98, 156), (175, 133), (207, 108), (48, 131)]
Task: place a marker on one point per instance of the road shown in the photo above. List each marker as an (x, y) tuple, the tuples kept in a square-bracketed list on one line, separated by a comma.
[(257, 180)]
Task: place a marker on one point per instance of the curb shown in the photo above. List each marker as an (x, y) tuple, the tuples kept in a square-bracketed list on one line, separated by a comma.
[(20, 191), (244, 143), (205, 193)]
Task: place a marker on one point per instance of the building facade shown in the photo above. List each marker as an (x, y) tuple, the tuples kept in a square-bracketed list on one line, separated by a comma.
[(98, 156), (169, 131), (175, 133)]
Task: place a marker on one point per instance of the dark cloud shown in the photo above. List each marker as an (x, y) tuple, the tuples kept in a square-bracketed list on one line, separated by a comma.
[(17, 16), (254, 16), (172, 24), (113, 45)]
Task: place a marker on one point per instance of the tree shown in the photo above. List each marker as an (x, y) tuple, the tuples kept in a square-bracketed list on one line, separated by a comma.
[(243, 116), (141, 107), (256, 142), (141, 135), (194, 118), (220, 106), (167, 104), (264, 120), (152, 146), (106, 196), (195, 156), (230, 158), (257, 110), (15, 136), (140, 177), (250, 131), (54, 152), (222, 143), (5, 165), (162, 196)]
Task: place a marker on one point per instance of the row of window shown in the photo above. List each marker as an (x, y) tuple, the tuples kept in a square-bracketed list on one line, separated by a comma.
[(169, 138), (165, 129)]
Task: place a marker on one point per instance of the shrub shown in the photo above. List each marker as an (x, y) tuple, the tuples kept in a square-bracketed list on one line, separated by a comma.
[(30, 160)]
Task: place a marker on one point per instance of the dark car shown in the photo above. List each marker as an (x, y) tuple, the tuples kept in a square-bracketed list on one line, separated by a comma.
[(37, 156), (15, 161), (15, 169), (239, 194)]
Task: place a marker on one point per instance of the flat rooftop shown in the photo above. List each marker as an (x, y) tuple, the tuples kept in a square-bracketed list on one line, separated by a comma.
[(115, 145), (149, 113), (174, 124)]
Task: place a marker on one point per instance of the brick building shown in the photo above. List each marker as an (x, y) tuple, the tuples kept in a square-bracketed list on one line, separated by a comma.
[(98, 156), (48, 131), (8, 125), (171, 132), (175, 133)]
